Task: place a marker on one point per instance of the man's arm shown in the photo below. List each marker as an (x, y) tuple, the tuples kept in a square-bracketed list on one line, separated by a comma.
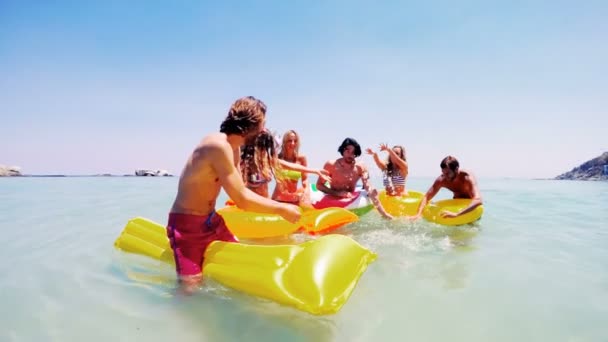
[(372, 193), (231, 181), (323, 188), (365, 178), (433, 190)]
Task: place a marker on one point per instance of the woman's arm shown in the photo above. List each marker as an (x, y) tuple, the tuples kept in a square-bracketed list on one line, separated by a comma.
[(401, 164), (304, 162), (297, 167), (381, 165)]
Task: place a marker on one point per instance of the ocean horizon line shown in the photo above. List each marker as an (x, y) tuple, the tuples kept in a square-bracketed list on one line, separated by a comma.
[(82, 175), (60, 175)]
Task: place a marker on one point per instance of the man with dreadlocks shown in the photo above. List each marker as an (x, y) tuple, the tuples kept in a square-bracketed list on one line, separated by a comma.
[(193, 223)]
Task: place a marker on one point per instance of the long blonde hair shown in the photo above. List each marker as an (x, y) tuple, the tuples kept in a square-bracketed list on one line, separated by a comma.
[(296, 150)]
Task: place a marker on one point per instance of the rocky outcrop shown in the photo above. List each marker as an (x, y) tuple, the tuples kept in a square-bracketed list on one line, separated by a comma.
[(594, 169), (147, 172), (8, 171)]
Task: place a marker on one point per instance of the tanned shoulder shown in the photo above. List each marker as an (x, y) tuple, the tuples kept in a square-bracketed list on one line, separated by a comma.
[(330, 163), (361, 168), (440, 180)]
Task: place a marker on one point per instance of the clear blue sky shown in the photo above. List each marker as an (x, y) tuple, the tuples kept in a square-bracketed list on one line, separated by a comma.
[(511, 88)]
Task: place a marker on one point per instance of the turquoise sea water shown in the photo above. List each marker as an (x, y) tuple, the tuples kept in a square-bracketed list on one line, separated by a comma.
[(535, 268)]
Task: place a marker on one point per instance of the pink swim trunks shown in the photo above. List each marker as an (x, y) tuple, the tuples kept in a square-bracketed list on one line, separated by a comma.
[(190, 235)]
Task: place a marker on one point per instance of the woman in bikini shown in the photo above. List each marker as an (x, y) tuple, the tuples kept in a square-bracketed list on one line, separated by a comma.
[(394, 169), (287, 190), (260, 163)]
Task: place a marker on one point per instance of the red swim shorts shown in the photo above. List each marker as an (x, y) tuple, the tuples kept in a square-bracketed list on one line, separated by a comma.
[(190, 235)]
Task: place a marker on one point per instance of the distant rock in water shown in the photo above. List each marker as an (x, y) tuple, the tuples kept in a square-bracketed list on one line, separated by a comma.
[(8, 171), (594, 169), (153, 173)]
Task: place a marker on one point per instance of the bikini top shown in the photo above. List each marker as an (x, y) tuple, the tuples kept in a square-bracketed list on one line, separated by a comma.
[(291, 175), (255, 180), (396, 179)]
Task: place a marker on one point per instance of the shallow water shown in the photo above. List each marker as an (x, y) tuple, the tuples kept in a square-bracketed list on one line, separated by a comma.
[(534, 268)]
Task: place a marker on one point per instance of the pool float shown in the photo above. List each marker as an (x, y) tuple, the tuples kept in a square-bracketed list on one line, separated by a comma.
[(316, 276), (360, 204), (432, 212), (405, 205), (249, 225)]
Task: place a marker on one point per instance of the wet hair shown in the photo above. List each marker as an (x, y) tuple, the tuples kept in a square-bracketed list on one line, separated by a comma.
[(284, 142), (260, 158), (244, 115), (346, 143), (449, 162), (390, 166)]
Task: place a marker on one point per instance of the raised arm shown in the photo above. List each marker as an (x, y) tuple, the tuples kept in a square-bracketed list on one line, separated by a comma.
[(231, 181), (381, 165), (401, 164)]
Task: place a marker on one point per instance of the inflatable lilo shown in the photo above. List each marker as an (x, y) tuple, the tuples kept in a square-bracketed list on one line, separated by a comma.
[(316, 276), (248, 225), (432, 212), (404, 205), (360, 204)]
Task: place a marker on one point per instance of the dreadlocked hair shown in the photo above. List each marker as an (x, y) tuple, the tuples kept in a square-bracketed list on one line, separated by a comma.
[(244, 115), (260, 158)]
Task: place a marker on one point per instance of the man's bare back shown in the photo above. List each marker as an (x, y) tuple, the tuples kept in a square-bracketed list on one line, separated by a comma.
[(192, 225)]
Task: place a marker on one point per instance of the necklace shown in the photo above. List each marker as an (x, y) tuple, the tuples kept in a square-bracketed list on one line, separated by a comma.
[(343, 164)]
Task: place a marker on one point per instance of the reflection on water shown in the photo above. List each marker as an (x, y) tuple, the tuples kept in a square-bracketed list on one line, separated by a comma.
[(460, 238), (234, 317), (215, 309), (454, 273)]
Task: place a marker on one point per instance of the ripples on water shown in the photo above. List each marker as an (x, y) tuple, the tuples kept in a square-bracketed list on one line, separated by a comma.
[(534, 268)]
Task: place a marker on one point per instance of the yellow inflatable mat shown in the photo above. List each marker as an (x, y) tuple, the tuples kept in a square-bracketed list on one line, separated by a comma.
[(316, 276)]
